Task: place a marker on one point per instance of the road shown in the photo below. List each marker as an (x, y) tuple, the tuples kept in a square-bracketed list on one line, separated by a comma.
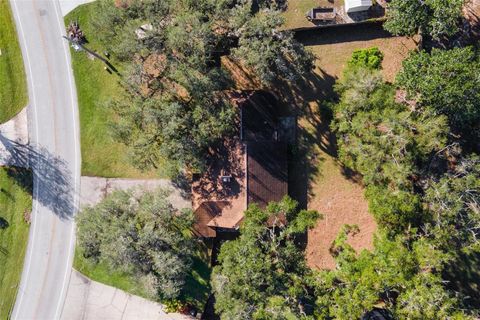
[(54, 155)]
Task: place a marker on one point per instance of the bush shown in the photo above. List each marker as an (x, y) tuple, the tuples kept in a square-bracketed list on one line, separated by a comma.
[(370, 58)]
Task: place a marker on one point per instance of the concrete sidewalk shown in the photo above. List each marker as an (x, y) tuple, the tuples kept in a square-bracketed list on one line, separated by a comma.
[(13, 133), (90, 300)]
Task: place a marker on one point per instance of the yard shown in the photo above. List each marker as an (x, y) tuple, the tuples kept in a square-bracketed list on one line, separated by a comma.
[(13, 91), (15, 201), (101, 155), (333, 190), (295, 13), (317, 179)]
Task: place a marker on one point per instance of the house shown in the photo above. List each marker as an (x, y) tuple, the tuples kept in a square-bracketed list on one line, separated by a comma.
[(357, 5), (249, 168)]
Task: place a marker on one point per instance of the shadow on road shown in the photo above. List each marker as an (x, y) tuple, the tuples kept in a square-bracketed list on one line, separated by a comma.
[(53, 187)]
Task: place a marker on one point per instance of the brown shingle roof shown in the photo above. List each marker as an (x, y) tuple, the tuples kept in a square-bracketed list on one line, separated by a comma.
[(267, 172), (257, 165)]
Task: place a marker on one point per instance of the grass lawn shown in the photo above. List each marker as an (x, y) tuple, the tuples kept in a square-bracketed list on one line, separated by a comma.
[(197, 287), (15, 200), (13, 87), (101, 155)]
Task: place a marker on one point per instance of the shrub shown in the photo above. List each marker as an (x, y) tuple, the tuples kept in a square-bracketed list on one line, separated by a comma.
[(370, 58)]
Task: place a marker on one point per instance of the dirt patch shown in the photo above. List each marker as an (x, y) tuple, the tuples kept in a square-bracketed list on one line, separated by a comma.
[(341, 201)]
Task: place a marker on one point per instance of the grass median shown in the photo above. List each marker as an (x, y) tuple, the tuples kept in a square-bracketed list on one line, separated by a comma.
[(15, 207), (13, 88)]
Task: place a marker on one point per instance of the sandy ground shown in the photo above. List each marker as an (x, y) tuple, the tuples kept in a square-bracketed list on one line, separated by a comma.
[(13, 133), (341, 201), (94, 189), (90, 300)]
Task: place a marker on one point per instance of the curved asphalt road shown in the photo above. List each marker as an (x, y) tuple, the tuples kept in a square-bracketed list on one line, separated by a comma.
[(54, 155)]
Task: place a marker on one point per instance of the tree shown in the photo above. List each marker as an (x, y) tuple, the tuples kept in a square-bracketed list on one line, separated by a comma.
[(436, 18), (400, 274), (384, 141), (172, 128), (270, 52), (141, 235), (454, 208), (174, 72), (370, 58), (449, 85), (263, 274)]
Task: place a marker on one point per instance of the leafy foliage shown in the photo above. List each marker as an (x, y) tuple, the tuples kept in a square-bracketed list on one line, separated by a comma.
[(175, 75), (262, 274), (143, 236), (399, 273), (454, 208), (370, 58), (384, 141), (272, 53), (437, 18), (448, 85), (426, 221)]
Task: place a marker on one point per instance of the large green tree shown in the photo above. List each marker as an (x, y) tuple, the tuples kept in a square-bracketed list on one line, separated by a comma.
[(263, 274), (436, 18), (384, 141), (400, 275), (173, 49), (454, 208), (141, 235), (445, 82), (270, 52)]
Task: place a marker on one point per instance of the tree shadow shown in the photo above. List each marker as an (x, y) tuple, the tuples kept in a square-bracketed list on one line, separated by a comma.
[(4, 223), (223, 159), (309, 98), (463, 276), (53, 186), (342, 34), (183, 183)]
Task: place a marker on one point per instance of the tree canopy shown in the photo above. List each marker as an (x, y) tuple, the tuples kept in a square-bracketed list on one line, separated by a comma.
[(400, 275), (428, 213), (141, 235), (384, 141), (172, 49), (448, 85), (436, 18), (263, 273), (454, 208)]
